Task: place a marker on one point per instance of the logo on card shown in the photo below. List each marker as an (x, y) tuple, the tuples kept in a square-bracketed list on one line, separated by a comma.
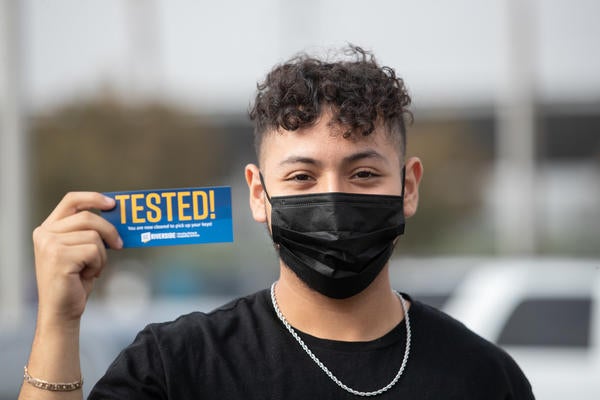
[(146, 237)]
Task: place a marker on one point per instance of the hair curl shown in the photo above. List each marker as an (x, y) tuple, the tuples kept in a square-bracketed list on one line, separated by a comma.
[(359, 93)]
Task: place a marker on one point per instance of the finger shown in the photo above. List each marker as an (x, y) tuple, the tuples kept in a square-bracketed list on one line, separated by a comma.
[(86, 221), (73, 202), (78, 238), (96, 263), (91, 258), (66, 250)]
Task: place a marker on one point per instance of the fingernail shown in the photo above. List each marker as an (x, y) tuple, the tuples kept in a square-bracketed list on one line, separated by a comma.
[(120, 243), (109, 200)]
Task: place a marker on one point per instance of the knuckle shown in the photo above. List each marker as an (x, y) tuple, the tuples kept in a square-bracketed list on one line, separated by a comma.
[(49, 247), (69, 196), (94, 256), (37, 234), (89, 252), (93, 237), (41, 238), (87, 216)]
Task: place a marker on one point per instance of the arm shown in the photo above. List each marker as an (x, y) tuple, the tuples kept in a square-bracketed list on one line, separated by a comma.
[(69, 256)]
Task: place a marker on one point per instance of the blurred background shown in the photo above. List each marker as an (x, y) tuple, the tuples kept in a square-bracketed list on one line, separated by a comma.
[(142, 94)]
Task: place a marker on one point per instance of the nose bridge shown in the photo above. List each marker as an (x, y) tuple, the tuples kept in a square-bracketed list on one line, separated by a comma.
[(332, 170), (332, 182)]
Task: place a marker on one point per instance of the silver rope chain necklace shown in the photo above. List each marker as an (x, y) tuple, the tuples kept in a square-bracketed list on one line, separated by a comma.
[(326, 370)]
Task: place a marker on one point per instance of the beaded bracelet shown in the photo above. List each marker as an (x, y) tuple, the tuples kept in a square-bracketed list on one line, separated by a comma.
[(54, 387)]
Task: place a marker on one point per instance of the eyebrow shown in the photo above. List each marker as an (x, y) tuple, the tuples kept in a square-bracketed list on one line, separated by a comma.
[(367, 154), (300, 160), (364, 155)]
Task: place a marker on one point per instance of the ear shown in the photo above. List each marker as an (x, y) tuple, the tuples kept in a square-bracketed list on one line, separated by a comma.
[(257, 197), (414, 172)]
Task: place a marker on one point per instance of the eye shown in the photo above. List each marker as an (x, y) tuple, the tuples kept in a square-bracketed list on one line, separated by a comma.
[(365, 174), (300, 177)]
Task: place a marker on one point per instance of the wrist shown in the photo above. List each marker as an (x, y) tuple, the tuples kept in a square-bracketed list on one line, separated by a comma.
[(55, 351), (49, 325), (49, 318)]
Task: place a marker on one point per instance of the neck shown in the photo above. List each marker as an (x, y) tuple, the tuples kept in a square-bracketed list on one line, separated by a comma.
[(366, 316)]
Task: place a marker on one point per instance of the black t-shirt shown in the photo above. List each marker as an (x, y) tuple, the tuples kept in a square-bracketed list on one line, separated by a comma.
[(242, 351)]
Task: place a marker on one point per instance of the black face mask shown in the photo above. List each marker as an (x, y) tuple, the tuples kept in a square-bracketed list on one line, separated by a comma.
[(337, 243)]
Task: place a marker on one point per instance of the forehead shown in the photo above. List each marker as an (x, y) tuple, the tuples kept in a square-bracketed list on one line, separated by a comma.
[(326, 141)]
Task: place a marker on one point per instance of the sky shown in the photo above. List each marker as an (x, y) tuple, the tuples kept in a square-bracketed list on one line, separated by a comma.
[(209, 55)]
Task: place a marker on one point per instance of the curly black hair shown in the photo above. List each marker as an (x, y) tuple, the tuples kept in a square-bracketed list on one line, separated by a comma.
[(359, 93)]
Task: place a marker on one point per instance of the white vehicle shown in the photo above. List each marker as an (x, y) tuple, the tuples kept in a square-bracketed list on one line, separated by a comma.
[(544, 312)]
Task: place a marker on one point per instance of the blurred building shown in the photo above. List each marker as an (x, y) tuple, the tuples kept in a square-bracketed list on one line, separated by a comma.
[(95, 76)]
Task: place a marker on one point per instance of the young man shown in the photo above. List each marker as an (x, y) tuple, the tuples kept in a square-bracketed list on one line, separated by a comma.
[(334, 187)]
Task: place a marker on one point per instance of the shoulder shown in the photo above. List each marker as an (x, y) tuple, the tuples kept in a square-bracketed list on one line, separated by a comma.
[(168, 352), (439, 327), (240, 313), (458, 349), (439, 330)]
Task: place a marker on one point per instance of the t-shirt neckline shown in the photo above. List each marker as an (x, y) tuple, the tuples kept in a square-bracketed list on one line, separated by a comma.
[(397, 333)]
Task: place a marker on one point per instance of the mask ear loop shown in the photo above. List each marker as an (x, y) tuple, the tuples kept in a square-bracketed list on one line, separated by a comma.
[(262, 182), (403, 182), (402, 196)]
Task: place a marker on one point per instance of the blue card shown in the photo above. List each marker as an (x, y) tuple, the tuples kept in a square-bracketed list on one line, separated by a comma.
[(169, 217)]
